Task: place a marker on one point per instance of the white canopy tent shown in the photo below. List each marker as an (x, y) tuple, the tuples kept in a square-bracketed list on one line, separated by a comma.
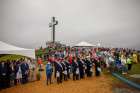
[(84, 44), (10, 49)]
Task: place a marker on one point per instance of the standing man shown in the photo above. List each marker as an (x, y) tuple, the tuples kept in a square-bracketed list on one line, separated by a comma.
[(64, 70), (59, 70), (129, 62), (81, 68), (49, 70), (68, 67), (3, 75), (25, 71), (75, 67), (40, 64), (97, 67), (89, 69)]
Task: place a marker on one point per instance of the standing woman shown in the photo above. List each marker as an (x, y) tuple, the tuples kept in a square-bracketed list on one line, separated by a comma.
[(135, 57), (18, 74), (33, 67), (124, 67)]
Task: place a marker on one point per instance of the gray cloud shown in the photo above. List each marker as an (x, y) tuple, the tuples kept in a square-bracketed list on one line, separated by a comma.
[(113, 22)]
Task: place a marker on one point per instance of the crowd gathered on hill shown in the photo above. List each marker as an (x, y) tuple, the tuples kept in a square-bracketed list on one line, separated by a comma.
[(66, 64), (79, 63)]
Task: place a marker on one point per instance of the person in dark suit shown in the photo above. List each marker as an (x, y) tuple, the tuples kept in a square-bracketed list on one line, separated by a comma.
[(68, 66), (59, 70), (89, 67), (3, 75), (75, 68), (64, 70), (81, 68), (25, 71), (12, 74), (55, 65), (8, 63), (97, 67)]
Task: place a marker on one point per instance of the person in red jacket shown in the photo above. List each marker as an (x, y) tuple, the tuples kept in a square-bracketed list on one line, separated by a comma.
[(40, 63), (70, 59)]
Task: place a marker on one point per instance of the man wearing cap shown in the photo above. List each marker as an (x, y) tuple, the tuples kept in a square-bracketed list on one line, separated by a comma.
[(81, 68), (64, 74), (68, 66), (75, 67)]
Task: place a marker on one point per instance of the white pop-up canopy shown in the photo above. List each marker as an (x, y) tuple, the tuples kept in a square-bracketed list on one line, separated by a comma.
[(84, 44), (10, 49)]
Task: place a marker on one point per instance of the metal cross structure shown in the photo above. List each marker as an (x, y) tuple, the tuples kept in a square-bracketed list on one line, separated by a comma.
[(52, 25)]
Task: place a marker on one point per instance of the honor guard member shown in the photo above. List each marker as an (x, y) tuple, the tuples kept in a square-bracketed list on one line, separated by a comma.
[(68, 68), (89, 67), (75, 67), (59, 70), (81, 68), (64, 70)]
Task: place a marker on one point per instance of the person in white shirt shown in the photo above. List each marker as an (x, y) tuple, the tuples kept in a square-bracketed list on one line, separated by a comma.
[(124, 64), (19, 74)]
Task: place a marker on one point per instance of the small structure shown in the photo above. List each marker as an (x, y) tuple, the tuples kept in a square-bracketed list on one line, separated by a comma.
[(84, 44), (10, 49)]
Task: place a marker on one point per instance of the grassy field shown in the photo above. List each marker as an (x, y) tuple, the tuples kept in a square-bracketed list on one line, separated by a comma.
[(135, 70)]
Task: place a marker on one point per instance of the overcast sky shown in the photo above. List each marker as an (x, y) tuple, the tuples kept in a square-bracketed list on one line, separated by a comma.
[(112, 22)]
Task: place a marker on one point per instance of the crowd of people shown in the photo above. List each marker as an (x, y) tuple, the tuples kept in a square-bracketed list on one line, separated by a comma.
[(80, 63), (69, 63), (16, 72), (79, 68)]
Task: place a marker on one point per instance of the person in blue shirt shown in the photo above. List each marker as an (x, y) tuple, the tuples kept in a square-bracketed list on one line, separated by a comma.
[(117, 64), (25, 71), (49, 70)]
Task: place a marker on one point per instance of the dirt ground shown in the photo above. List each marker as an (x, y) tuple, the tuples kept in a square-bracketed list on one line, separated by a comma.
[(102, 84)]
